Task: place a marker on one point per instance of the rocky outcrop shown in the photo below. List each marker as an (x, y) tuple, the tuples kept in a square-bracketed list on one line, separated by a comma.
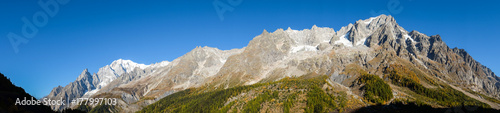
[(88, 84), (84, 82)]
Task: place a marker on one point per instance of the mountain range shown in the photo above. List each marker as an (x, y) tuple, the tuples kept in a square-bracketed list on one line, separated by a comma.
[(374, 46)]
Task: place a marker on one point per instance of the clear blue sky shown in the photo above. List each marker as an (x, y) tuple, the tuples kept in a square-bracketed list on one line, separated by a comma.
[(92, 33)]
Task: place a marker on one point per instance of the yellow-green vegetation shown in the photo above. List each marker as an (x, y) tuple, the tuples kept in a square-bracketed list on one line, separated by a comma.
[(254, 105), (98, 109), (312, 93), (290, 94), (289, 102), (484, 96), (192, 100), (84, 108), (227, 107), (376, 90), (104, 109), (342, 100), (318, 101), (490, 99), (444, 96), (300, 82)]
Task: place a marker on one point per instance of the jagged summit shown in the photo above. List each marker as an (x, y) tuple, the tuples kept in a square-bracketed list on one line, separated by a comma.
[(352, 35), (88, 84), (85, 73), (378, 20), (314, 27)]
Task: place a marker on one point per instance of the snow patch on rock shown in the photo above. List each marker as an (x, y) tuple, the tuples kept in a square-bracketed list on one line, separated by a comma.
[(344, 40), (303, 48)]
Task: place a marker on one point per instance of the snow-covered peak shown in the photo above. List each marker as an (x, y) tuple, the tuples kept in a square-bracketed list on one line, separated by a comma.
[(127, 64), (116, 69)]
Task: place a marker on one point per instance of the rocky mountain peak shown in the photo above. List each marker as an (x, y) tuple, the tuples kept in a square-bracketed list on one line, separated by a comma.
[(204, 48), (265, 32), (385, 19), (199, 52), (85, 74), (436, 38), (314, 27), (118, 67), (279, 30), (374, 22), (357, 34), (418, 36)]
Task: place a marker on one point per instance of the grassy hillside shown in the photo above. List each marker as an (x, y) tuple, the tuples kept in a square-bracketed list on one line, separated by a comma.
[(305, 94), (443, 95), (315, 94), (400, 89), (376, 90)]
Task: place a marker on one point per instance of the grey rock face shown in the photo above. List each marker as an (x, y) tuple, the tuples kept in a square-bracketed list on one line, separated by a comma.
[(75, 89), (87, 84), (273, 55), (336, 77)]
